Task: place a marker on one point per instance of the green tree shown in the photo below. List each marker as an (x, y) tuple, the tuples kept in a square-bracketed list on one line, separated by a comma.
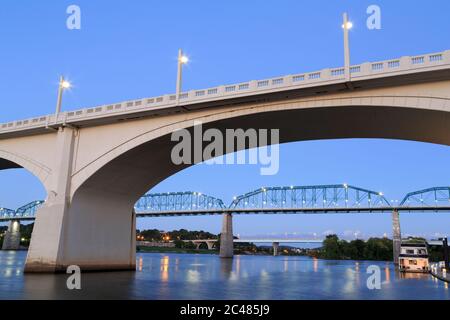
[(347, 249), (190, 245), (179, 244), (151, 235), (358, 249), (331, 248), (378, 249)]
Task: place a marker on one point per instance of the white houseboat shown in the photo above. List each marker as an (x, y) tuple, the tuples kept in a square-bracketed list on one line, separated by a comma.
[(414, 258)]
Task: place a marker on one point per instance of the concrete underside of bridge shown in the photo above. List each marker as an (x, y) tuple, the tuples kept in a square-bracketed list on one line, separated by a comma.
[(95, 174)]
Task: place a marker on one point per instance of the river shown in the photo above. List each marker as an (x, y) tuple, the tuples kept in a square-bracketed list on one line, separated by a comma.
[(189, 276)]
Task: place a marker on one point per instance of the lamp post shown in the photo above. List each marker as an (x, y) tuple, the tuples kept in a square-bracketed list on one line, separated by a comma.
[(182, 59), (347, 26), (63, 85)]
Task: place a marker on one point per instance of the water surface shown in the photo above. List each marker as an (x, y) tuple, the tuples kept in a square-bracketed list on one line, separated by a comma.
[(188, 276)]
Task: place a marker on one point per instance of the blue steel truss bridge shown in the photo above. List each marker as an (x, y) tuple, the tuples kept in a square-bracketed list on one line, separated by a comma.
[(318, 199)]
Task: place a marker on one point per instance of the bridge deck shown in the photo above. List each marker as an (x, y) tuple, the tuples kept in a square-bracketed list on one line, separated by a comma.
[(268, 211), (293, 211)]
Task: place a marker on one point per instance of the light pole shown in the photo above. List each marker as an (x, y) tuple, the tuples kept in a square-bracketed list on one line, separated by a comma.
[(347, 26), (182, 59), (63, 85)]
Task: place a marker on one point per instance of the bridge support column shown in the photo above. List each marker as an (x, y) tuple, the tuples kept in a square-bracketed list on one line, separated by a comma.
[(46, 248), (226, 237), (12, 236), (396, 236), (210, 245), (93, 228), (275, 247)]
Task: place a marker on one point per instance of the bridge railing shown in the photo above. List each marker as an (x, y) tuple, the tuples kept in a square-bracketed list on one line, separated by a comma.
[(289, 82)]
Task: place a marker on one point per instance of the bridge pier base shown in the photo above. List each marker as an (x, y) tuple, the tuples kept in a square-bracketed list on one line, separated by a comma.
[(275, 247), (96, 235), (12, 236), (396, 236), (226, 237)]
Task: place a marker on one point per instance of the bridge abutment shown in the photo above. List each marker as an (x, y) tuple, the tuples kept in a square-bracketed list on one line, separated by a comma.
[(226, 237), (12, 237), (396, 236)]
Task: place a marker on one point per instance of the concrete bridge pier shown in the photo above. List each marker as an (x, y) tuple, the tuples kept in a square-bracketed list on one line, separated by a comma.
[(275, 247), (12, 236), (226, 237), (93, 228), (396, 236), (210, 245)]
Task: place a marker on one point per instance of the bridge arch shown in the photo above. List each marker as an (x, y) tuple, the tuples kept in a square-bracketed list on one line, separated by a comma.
[(415, 118), (101, 232), (9, 160)]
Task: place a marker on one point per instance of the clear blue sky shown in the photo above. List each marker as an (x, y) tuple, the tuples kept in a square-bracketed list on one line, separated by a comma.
[(127, 50)]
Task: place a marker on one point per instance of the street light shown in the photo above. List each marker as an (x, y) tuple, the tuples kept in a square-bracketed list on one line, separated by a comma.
[(182, 59), (347, 26), (63, 85)]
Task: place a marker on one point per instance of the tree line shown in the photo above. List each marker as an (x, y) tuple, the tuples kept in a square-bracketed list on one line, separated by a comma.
[(182, 234), (333, 248)]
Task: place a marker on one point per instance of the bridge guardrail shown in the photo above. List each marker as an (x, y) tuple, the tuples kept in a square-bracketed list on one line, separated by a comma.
[(296, 81)]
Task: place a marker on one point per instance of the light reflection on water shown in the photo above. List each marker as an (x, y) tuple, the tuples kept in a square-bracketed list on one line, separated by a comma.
[(177, 276)]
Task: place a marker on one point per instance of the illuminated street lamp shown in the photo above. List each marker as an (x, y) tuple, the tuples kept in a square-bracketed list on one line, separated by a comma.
[(63, 85), (182, 59), (347, 26)]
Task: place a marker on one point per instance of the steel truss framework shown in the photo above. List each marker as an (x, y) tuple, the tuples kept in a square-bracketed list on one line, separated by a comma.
[(294, 199), (25, 212), (325, 196), (5, 212), (431, 197), (178, 201)]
